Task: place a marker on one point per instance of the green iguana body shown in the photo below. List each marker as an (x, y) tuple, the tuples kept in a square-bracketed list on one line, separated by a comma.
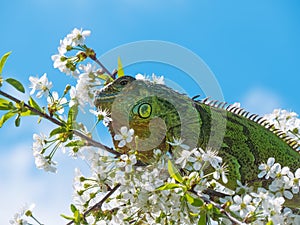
[(244, 142)]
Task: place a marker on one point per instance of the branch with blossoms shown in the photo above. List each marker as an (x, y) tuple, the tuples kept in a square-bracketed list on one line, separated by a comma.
[(186, 189)]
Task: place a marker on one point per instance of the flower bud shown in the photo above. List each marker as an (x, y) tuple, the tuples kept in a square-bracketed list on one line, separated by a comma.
[(91, 53), (68, 87), (81, 56)]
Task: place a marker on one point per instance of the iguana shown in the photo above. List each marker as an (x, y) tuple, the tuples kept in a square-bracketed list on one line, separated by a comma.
[(159, 114)]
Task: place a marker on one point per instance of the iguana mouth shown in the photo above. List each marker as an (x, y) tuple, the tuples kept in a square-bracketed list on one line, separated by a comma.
[(104, 99)]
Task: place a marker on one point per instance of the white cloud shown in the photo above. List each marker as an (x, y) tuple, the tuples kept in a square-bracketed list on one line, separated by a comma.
[(260, 101)]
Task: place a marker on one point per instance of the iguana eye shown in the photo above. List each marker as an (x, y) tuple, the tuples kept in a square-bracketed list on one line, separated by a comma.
[(144, 110), (123, 82)]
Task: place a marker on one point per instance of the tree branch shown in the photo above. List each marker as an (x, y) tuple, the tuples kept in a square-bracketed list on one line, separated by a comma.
[(231, 218), (104, 68), (89, 141), (100, 203)]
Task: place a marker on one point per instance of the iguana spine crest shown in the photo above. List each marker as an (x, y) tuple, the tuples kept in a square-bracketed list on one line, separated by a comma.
[(254, 117)]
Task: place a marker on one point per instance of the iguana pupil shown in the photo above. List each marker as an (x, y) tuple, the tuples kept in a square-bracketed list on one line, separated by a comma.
[(144, 110)]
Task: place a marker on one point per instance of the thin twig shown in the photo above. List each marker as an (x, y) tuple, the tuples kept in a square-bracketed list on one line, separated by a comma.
[(103, 67), (231, 218), (100, 203), (89, 141)]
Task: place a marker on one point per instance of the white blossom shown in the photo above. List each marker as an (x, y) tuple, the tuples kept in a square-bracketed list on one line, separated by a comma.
[(78, 36), (39, 142), (56, 103), (211, 157), (179, 142), (40, 84), (185, 156), (242, 206), (198, 154), (73, 100), (221, 172), (295, 181), (124, 136), (266, 168), (102, 115), (19, 217), (86, 84), (157, 79), (127, 162), (42, 162), (286, 121), (141, 77)]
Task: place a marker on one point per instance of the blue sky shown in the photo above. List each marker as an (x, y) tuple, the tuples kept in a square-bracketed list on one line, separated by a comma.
[(252, 47)]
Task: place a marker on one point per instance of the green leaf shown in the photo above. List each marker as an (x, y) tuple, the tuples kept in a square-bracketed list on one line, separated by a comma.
[(169, 186), (18, 121), (202, 220), (174, 173), (73, 208), (73, 112), (5, 104), (16, 84), (77, 216), (3, 60), (5, 117), (193, 201), (120, 68), (75, 143), (67, 217), (33, 104), (27, 113), (58, 130), (107, 78)]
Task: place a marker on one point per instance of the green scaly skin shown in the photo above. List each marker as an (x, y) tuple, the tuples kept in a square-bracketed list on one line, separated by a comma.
[(245, 144)]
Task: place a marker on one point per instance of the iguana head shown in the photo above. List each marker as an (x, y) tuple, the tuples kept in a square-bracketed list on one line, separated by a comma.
[(155, 112), (104, 98)]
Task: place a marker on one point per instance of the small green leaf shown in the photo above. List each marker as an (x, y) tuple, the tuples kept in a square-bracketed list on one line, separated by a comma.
[(16, 84), (202, 220), (67, 217), (174, 172), (73, 112), (5, 117), (58, 130), (193, 201), (73, 208), (27, 112), (75, 143), (33, 104), (120, 68), (107, 78), (77, 217), (3, 60), (5, 104), (18, 121), (169, 186)]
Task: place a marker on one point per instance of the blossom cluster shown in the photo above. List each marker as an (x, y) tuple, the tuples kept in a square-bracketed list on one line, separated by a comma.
[(198, 160), (155, 79), (286, 121), (21, 217), (266, 206), (87, 75), (71, 41), (136, 200)]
